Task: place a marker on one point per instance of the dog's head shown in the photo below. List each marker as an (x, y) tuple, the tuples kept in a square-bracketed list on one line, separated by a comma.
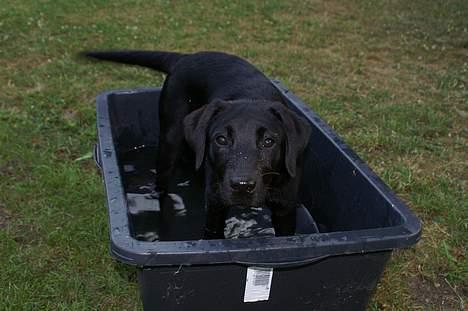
[(247, 147)]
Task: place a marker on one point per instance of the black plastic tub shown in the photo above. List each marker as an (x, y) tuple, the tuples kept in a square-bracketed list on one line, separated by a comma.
[(360, 221)]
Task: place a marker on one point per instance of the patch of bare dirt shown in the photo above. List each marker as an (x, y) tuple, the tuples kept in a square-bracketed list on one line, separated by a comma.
[(21, 232), (439, 295), (5, 217)]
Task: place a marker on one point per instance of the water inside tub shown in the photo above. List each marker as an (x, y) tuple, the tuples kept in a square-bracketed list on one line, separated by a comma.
[(184, 207)]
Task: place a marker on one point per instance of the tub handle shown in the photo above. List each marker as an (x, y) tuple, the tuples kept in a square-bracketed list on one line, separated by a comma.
[(97, 156)]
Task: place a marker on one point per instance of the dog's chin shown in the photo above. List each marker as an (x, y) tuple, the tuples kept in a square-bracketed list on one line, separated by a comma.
[(241, 201)]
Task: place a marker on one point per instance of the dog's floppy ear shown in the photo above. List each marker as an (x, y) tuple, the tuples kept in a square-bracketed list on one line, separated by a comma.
[(196, 125), (297, 132)]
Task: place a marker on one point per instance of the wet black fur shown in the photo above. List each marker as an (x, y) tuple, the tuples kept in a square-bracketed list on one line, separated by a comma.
[(208, 95)]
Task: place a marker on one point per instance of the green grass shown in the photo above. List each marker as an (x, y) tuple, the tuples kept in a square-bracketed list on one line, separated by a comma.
[(389, 76)]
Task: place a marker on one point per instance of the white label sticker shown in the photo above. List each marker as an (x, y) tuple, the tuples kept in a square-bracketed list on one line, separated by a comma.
[(257, 285)]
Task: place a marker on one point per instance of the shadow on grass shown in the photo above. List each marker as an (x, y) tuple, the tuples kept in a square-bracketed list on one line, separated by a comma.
[(126, 272)]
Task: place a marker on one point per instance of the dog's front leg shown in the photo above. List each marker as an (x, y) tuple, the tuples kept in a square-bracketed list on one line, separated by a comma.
[(284, 219), (283, 216), (215, 221)]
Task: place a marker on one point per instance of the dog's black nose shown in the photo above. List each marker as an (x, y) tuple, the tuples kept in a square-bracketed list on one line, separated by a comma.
[(243, 185)]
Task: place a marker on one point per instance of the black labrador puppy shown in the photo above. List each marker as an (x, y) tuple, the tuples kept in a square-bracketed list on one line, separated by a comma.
[(239, 126)]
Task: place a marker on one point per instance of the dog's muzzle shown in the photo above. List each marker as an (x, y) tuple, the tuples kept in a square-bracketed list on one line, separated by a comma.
[(243, 185)]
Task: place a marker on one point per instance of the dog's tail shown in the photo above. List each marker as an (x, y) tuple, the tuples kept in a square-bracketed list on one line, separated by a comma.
[(160, 61)]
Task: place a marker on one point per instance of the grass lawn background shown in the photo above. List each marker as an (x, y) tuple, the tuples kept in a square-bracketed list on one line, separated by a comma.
[(389, 76)]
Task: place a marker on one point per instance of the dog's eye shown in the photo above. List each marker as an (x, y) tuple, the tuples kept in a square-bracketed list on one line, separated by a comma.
[(221, 140), (268, 142)]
